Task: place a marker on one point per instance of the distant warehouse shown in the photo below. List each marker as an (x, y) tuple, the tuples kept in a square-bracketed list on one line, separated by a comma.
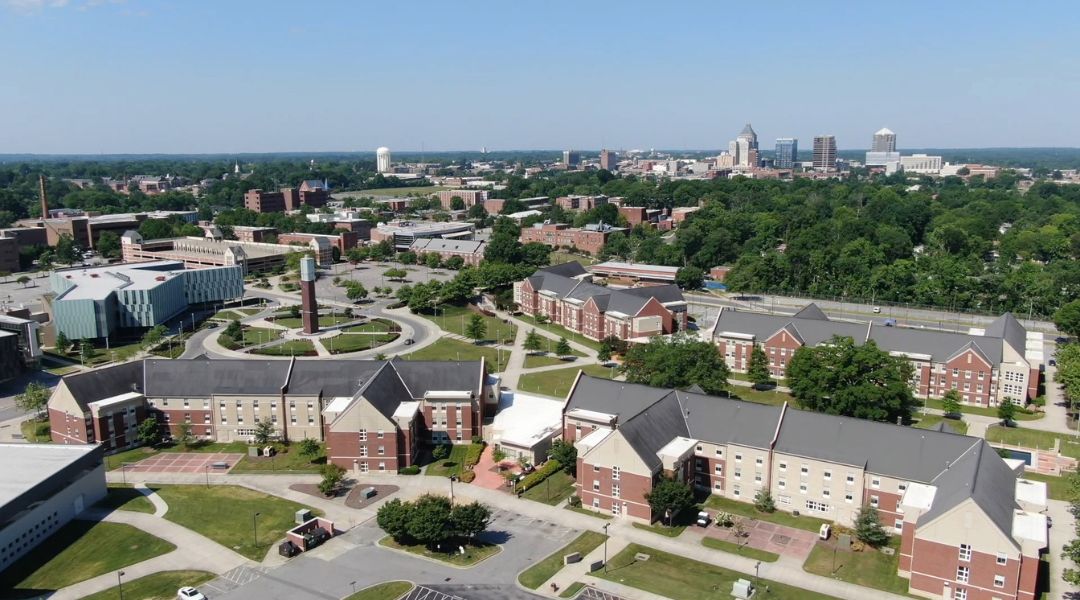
[(99, 302)]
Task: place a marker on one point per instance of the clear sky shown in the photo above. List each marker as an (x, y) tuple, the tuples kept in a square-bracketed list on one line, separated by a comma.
[(139, 76)]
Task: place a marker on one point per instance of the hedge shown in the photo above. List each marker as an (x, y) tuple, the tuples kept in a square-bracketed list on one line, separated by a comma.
[(472, 455), (409, 470), (531, 480), (468, 476)]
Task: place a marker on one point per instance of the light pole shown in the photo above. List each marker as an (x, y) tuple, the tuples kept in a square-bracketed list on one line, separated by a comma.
[(255, 528), (120, 583), (453, 478), (606, 525), (757, 566), (353, 584), (206, 470)]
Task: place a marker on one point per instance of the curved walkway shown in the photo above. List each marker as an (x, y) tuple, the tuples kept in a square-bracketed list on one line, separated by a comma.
[(160, 506)]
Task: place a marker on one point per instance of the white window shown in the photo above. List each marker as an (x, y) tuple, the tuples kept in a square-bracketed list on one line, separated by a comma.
[(781, 484), (735, 490), (363, 435), (615, 506), (614, 490), (363, 467), (965, 552), (719, 452), (783, 466), (1001, 558), (382, 450), (596, 468), (902, 487), (379, 434), (875, 483), (826, 493), (805, 470), (382, 466), (848, 498), (874, 501), (363, 451), (596, 503), (898, 524), (614, 473), (699, 448), (311, 420), (759, 461), (850, 479), (738, 457), (963, 574), (596, 485), (827, 475), (802, 488), (757, 477), (738, 473), (959, 594), (999, 581), (719, 469)]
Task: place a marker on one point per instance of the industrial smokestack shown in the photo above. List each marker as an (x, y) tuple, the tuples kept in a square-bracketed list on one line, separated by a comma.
[(44, 197)]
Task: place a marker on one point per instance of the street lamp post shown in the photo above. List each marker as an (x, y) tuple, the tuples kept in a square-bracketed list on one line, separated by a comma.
[(353, 584), (206, 470), (606, 525), (255, 528), (120, 583), (453, 478)]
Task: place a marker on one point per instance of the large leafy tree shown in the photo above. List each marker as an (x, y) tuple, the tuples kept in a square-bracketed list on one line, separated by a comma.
[(469, 520), (33, 398), (564, 452), (843, 378), (868, 528), (679, 363), (393, 518), (1067, 318), (758, 369), (668, 498), (429, 519)]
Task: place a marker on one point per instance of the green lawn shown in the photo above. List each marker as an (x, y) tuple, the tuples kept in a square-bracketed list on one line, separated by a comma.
[(546, 360), (224, 514), (1021, 414), (395, 192), (455, 319), (474, 553), (661, 529), (114, 461), (156, 586), (561, 331), (227, 315), (553, 490), (779, 517), (590, 512), (572, 590), (679, 578), (288, 348), (36, 431), (536, 575), (124, 497), (1057, 488), (557, 382), (79, 551), (868, 568), (324, 321), (372, 326), (932, 421), (733, 548), (558, 258), (287, 460), (1032, 438), (388, 590), (451, 349), (452, 465), (115, 352), (760, 396), (352, 342), (60, 371)]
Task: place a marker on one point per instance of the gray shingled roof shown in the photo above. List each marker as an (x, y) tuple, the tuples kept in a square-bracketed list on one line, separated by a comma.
[(651, 429), (940, 345), (203, 378), (979, 474), (385, 390), (106, 382), (423, 376), (569, 269), (613, 397), (812, 331), (627, 301), (330, 378), (744, 423), (1009, 329)]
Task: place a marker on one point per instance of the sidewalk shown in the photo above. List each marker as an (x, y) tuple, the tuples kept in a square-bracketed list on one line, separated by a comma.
[(579, 570)]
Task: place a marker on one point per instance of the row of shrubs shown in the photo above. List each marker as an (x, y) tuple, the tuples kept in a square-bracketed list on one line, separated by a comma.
[(472, 455), (536, 477)]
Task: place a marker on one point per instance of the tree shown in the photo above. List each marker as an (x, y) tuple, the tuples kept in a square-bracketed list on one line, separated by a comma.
[(455, 262), (456, 203), (86, 351), (234, 329), (842, 378), (1071, 551), (470, 520), (1006, 411), (108, 244), (432, 260), (562, 348), (354, 290), (868, 528), (429, 519), (184, 435), (763, 501), (477, 328), (65, 250), (950, 403), (34, 398), (154, 336), (690, 278), (264, 431), (440, 451), (294, 311), (669, 498), (395, 273), (309, 447), (477, 212), (678, 363), (332, 475), (533, 342), (62, 343), (22, 280), (149, 431), (758, 369), (564, 452), (1067, 318), (4, 275), (393, 518), (604, 353)]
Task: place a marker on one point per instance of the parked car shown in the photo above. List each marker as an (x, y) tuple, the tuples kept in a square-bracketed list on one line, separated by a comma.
[(877, 310), (189, 593), (703, 519), (410, 342), (1053, 362)]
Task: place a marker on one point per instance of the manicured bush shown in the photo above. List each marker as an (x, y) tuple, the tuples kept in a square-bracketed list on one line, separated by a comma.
[(409, 470), (536, 477), (574, 501), (468, 476)]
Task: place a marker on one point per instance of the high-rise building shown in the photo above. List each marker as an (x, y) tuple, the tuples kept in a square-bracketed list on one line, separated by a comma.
[(825, 152), (608, 161), (744, 148), (884, 141), (571, 158), (787, 153), (382, 160)]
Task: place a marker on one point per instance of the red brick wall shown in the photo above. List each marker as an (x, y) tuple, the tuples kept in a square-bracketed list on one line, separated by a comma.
[(653, 308), (781, 340), (632, 490), (60, 423), (907, 538), (343, 448), (968, 361), (933, 563)]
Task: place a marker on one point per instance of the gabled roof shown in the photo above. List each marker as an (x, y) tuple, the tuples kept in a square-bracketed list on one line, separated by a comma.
[(568, 269), (744, 423), (748, 130), (627, 301), (979, 474), (651, 429), (613, 397), (330, 378), (204, 378), (90, 386), (811, 311), (762, 326), (385, 391), (1009, 329), (422, 376), (939, 345)]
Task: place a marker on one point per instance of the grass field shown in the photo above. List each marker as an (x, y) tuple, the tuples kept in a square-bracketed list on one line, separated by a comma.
[(288, 348), (473, 553), (452, 465), (572, 590), (224, 513), (533, 361), (561, 331), (683, 579), (869, 568), (553, 490), (388, 590), (779, 517), (79, 551), (451, 349), (372, 326), (733, 548), (536, 575), (286, 461), (558, 258), (1057, 488), (557, 382), (1032, 438), (227, 315), (158, 586), (455, 319), (124, 497), (36, 431), (760, 396), (932, 421), (1021, 413), (353, 342)]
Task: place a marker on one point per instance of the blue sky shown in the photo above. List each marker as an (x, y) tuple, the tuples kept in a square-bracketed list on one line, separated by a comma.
[(89, 76)]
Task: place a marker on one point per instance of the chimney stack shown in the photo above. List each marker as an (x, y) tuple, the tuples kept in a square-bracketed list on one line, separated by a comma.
[(44, 197)]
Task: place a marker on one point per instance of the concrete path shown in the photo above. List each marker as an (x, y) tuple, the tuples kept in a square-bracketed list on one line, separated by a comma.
[(577, 571), (1061, 533), (160, 507)]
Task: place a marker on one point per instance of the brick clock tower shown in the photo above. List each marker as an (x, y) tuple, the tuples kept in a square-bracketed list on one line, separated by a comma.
[(309, 307)]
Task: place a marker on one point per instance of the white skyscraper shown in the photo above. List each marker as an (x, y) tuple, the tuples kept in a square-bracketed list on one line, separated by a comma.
[(382, 160), (884, 141), (744, 148)]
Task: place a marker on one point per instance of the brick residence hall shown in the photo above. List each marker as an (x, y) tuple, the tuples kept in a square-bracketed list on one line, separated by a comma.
[(970, 526), (373, 415)]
